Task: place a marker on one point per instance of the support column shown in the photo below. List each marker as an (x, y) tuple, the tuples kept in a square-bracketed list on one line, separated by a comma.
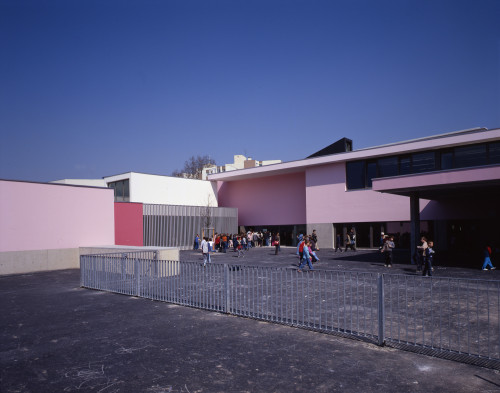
[(414, 223)]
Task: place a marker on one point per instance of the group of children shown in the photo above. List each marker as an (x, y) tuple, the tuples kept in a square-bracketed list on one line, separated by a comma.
[(307, 247), (220, 243), (306, 250)]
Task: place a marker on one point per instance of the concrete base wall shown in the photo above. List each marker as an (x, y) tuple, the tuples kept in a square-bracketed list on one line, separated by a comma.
[(325, 234), (20, 262), (164, 253)]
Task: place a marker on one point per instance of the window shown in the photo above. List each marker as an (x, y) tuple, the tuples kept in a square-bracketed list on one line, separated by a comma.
[(122, 190), (469, 156), (404, 165), (423, 162), (371, 172), (388, 166), (355, 175), (359, 174), (494, 153), (447, 159)]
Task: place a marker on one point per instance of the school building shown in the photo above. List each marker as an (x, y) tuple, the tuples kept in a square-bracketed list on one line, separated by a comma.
[(446, 186)]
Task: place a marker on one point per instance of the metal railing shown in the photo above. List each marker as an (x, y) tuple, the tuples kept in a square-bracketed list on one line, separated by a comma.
[(452, 318)]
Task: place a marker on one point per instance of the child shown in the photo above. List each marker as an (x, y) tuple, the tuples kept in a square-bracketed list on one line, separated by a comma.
[(306, 258), (210, 249), (314, 257), (487, 260), (239, 247), (428, 257)]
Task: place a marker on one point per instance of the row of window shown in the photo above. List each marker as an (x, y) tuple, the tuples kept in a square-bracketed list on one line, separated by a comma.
[(122, 190), (359, 174)]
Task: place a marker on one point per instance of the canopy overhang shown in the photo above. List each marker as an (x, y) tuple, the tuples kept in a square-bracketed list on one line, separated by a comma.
[(456, 183)]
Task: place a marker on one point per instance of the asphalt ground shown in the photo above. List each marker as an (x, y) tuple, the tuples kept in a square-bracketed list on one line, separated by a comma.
[(362, 260), (58, 337)]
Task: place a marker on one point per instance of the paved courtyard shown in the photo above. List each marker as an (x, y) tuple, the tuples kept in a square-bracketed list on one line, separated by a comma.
[(362, 260), (58, 337)]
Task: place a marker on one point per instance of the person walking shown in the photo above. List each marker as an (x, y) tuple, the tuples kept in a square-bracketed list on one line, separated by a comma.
[(301, 249), (276, 244), (210, 249), (338, 241), (351, 240), (487, 259), (299, 239), (306, 258), (204, 250)]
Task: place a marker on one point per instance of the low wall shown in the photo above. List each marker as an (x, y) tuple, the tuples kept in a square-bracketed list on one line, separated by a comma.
[(164, 253), (20, 262)]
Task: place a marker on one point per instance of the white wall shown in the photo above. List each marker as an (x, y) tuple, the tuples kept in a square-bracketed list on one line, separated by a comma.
[(166, 190)]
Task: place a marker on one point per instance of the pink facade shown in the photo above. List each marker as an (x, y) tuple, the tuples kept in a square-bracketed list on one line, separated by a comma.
[(35, 216), (129, 224), (263, 197), (271, 200), (328, 201)]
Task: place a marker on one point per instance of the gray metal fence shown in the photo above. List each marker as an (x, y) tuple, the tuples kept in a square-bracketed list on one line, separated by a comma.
[(453, 318), (176, 226)]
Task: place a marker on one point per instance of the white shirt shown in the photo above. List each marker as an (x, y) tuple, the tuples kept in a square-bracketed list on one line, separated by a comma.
[(204, 247)]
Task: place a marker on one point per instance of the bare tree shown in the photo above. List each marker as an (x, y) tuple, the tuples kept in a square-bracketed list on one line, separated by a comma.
[(207, 219), (193, 167)]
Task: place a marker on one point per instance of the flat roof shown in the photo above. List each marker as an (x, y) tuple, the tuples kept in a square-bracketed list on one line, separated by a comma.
[(475, 135)]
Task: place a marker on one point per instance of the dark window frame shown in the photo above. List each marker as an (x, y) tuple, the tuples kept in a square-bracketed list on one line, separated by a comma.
[(409, 163)]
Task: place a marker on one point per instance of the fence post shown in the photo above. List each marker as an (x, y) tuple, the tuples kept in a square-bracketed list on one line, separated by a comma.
[(82, 271), (137, 277), (381, 309), (226, 289)]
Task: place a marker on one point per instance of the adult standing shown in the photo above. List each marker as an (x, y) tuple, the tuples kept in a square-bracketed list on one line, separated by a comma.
[(235, 242), (314, 241), (224, 242), (421, 253), (196, 242), (387, 251)]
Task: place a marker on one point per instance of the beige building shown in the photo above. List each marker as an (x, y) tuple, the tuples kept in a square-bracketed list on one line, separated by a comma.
[(240, 162)]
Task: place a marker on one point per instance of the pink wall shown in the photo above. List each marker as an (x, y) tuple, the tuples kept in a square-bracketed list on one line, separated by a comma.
[(329, 202), (324, 189), (36, 216), (271, 200), (128, 224)]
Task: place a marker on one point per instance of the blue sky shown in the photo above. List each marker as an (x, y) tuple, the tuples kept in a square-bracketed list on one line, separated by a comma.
[(95, 88)]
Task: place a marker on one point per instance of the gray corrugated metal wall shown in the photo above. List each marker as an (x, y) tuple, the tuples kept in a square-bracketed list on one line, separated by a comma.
[(176, 226)]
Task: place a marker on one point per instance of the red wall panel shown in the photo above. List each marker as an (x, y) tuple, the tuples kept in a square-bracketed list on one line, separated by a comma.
[(128, 224)]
